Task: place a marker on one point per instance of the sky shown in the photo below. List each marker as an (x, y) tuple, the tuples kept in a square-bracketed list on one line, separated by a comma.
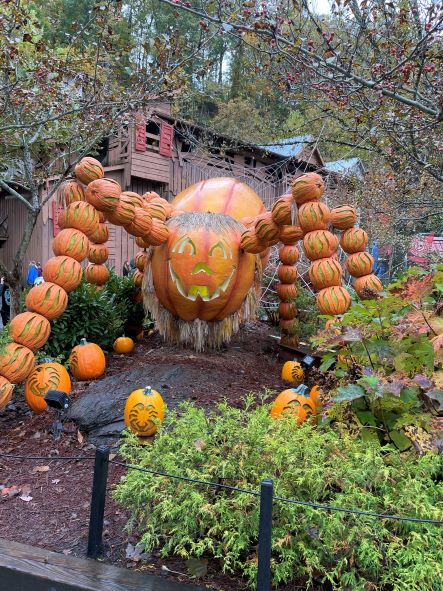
[(321, 6)]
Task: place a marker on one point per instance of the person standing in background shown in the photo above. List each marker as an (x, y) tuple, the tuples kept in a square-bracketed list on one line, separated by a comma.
[(32, 273), (39, 269), (126, 269), (6, 302)]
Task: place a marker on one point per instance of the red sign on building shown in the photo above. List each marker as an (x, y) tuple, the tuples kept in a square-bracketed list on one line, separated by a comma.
[(56, 212), (140, 134), (166, 139)]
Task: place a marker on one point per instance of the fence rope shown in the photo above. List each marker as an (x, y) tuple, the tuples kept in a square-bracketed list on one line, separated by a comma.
[(254, 493)]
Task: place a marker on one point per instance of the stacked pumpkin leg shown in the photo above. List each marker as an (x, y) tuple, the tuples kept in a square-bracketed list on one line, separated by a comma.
[(320, 245)]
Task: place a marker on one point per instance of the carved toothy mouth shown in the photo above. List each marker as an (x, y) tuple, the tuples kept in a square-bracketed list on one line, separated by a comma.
[(201, 291)]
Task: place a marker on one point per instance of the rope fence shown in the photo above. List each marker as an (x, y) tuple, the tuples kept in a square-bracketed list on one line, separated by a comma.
[(266, 494)]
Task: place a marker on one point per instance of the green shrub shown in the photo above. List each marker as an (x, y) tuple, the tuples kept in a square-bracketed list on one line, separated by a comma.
[(311, 546), (99, 316), (308, 315)]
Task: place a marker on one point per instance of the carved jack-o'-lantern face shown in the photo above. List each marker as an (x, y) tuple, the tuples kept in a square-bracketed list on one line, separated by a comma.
[(291, 401), (201, 272)]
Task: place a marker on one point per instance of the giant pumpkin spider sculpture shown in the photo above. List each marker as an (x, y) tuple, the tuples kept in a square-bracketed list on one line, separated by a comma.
[(200, 267)]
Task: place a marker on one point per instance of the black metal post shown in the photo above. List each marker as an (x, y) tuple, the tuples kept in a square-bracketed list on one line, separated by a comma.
[(95, 542), (265, 536)]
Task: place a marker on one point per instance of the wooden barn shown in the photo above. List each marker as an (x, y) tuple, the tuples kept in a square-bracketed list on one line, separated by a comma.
[(161, 153)]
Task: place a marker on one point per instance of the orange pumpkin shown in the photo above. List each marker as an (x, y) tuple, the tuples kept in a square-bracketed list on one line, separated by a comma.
[(101, 217), (354, 240), (333, 300), (45, 377), (141, 243), (149, 196), (291, 401), (248, 221), (70, 192), (293, 372), (16, 362), (144, 409), (136, 199), (64, 271), (367, 284), (158, 208), (287, 292), (6, 390), (96, 274), (89, 169), (124, 213), (30, 330), (101, 235), (81, 216), (360, 264), (282, 211), (140, 260), (308, 187), (103, 194), (313, 215), (137, 277), (220, 195), (71, 243), (287, 310), (123, 345), (289, 326), (265, 228), (48, 299), (201, 271), (98, 253), (325, 273), (158, 234), (290, 234), (343, 217), (141, 225), (249, 242), (288, 255), (87, 361), (319, 244), (287, 273)]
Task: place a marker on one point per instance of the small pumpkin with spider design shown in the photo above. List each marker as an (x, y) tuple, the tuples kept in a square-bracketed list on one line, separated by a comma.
[(45, 377), (144, 410)]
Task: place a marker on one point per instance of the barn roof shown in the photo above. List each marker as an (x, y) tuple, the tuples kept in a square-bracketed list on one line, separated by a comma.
[(289, 147), (346, 166)]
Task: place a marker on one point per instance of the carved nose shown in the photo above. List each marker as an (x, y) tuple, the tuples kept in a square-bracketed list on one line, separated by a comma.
[(202, 267)]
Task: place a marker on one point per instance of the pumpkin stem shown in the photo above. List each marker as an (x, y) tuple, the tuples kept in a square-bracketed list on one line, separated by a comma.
[(147, 390), (301, 389), (83, 342)]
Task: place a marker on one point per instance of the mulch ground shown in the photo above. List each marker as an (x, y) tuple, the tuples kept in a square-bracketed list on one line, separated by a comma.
[(49, 506)]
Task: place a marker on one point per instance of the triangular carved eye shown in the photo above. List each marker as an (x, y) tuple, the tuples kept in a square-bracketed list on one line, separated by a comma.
[(218, 250), (183, 243)]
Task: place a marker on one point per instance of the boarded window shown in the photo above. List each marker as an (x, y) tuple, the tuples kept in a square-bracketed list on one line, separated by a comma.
[(166, 139)]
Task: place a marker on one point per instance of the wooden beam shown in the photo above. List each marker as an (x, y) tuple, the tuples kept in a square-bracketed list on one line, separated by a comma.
[(28, 568)]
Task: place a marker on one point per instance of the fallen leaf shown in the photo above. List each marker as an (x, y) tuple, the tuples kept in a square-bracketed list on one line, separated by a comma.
[(40, 469), (200, 444), (55, 481), (67, 552), (80, 437), (25, 498), (112, 456), (25, 489)]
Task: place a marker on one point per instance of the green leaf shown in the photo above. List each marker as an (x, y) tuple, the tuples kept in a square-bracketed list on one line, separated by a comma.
[(327, 362), (348, 393), (197, 567), (366, 417), (400, 440)]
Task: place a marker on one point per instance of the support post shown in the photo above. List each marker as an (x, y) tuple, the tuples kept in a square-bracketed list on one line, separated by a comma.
[(265, 536), (95, 541)]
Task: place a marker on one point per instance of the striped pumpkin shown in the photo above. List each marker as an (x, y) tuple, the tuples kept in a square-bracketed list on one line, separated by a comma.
[(319, 244), (149, 196), (290, 234), (289, 326), (124, 212), (325, 273), (103, 194), (45, 377), (308, 187), (96, 274), (71, 243), (249, 242), (138, 278), (343, 217), (6, 390), (30, 330), (48, 299), (359, 264), (367, 284), (158, 234), (248, 221), (287, 310), (282, 211), (89, 169), (287, 273), (81, 216), (287, 292), (313, 215), (288, 255), (70, 192), (101, 217), (101, 235), (141, 225), (64, 271), (333, 300), (265, 228), (140, 260), (141, 243), (158, 208), (354, 240), (136, 199), (16, 362), (98, 253)]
